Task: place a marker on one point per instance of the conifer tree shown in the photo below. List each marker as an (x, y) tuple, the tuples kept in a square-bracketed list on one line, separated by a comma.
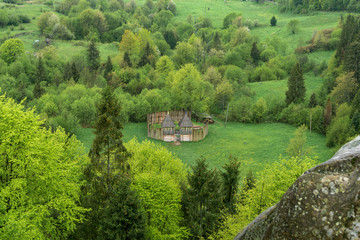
[(231, 182), (75, 73), (349, 32), (202, 201), (107, 161), (352, 59), (38, 90), (296, 86), (127, 61), (273, 21), (122, 216), (108, 69), (93, 56), (145, 58), (255, 53), (40, 71), (67, 72), (216, 42), (312, 101)]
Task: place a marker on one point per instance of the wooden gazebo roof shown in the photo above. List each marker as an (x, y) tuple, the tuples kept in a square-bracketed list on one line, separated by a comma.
[(185, 122), (167, 122)]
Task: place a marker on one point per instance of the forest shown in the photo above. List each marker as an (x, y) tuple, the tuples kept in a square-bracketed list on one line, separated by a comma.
[(98, 67)]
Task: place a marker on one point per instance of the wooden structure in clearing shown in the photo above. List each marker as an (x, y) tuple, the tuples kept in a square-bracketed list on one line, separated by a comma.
[(174, 126)]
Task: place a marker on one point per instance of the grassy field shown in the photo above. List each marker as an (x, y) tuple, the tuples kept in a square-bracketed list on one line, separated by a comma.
[(255, 144), (277, 88), (216, 10)]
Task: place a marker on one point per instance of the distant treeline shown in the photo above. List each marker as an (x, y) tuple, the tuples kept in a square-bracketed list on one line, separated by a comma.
[(304, 6)]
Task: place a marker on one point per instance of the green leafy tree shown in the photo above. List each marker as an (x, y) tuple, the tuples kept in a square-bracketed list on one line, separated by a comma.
[(224, 92), (346, 87), (47, 21), (296, 147), (158, 175), (11, 49), (93, 56), (293, 26), (228, 20), (296, 86), (273, 21), (40, 177), (202, 200), (4, 18), (108, 160), (230, 179), (259, 110), (189, 91), (184, 53)]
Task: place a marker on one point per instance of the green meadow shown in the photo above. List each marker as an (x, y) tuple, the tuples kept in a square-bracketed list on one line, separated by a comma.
[(255, 144)]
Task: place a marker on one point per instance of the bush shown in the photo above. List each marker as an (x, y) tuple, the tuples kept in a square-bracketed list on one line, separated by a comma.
[(295, 114), (24, 19), (263, 73), (240, 110)]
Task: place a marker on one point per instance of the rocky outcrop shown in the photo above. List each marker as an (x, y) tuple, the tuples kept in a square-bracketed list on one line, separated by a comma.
[(323, 203)]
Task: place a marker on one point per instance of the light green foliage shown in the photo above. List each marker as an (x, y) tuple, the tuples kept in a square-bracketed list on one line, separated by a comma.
[(271, 184), (224, 92), (296, 147), (47, 21), (345, 90), (259, 110), (189, 91), (293, 26), (92, 21), (338, 131), (11, 49), (4, 18), (40, 176), (158, 175), (184, 53)]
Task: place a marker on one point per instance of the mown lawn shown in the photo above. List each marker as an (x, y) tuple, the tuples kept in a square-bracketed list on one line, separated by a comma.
[(255, 144)]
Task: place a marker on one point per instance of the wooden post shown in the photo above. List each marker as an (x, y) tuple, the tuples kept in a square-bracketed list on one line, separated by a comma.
[(227, 111), (310, 120)]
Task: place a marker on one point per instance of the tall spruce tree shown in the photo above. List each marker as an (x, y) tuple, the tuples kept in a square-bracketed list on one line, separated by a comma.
[(146, 57), (296, 86), (255, 53), (126, 60), (216, 42), (231, 182), (352, 59), (93, 56), (350, 30), (108, 69), (313, 101), (75, 73), (202, 200), (122, 216), (107, 162)]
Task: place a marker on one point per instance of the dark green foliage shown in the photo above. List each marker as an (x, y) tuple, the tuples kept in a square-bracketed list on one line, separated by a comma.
[(107, 161), (296, 86), (67, 74), (352, 59), (108, 69), (312, 101), (38, 90), (356, 101), (350, 30), (171, 38), (216, 42), (74, 72), (255, 53), (146, 57), (355, 121), (227, 22), (93, 56), (40, 71), (231, 182), (123, 217), (202, 201), (127, 60), (273, 21)]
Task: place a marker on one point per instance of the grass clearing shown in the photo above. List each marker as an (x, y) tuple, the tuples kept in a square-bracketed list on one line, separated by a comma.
[(255, 144), (277, 88)]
